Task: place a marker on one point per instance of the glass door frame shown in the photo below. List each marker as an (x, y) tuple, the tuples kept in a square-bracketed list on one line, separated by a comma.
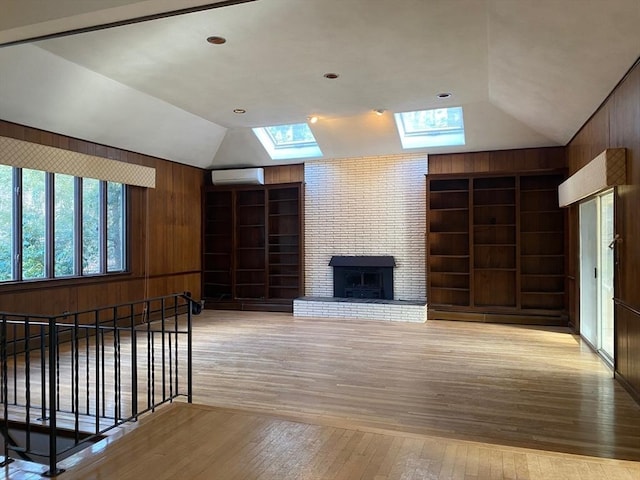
[(601, 337)]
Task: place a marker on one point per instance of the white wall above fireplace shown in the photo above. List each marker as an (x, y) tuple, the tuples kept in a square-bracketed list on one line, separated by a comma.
[(366, 206)]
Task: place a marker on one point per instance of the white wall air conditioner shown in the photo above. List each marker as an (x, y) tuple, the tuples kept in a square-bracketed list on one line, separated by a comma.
[(240, 176)]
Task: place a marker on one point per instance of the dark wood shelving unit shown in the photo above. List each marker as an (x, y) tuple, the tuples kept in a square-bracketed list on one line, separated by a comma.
[(542, 238), (495, 248), (449, 252), (252, 258)]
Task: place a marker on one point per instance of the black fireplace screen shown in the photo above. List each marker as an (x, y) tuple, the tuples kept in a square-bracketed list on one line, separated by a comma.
[(363, 277)]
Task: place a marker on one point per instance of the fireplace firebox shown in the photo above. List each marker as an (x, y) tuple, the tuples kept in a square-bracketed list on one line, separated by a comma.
[(363, 276)]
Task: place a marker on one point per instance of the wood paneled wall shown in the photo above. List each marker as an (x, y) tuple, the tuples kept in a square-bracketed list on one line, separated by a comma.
[(164, 229), (528, 159), (284, 174), (617, 125)]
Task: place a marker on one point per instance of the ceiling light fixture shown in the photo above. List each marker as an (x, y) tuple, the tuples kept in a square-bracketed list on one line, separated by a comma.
[(331, 76), (378, 111), (443, 95), (239, 111), (313, 119), (215, 40)]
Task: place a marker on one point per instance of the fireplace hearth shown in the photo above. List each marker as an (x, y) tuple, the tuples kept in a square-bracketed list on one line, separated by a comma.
[(363, 276)]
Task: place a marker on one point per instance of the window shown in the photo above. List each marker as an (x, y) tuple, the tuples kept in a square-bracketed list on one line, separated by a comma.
[(283, 142), (6, 223), (57, 226), (64, 244), (33, 224), (439, 127)]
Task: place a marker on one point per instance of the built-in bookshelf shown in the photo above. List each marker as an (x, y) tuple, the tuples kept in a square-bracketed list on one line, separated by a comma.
[(284, 242), (217, 245), (252, 255), (448, 250), (495, 247), (494, 241), (542, 240)]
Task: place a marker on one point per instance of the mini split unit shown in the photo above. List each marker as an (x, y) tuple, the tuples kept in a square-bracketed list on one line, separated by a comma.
[(240, 176)]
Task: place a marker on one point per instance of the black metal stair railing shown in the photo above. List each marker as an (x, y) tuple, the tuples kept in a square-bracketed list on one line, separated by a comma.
[(66, 380)]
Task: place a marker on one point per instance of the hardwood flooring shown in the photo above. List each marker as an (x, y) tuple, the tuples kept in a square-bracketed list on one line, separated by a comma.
[(283, 397), (183, 441), (522, 386)]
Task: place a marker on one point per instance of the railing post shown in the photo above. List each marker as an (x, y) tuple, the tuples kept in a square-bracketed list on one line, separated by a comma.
[(75, 375), (53, 404), (5, 391), (43, 373), (99, 371), (134, 364), (189, 355), (163, 307), (27, 382)]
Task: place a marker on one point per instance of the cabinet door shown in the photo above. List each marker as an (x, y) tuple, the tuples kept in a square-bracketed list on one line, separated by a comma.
[(250, 251), (217, 245)]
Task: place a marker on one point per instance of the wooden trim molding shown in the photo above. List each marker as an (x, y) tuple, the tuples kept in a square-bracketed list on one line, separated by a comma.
[(626, 306)]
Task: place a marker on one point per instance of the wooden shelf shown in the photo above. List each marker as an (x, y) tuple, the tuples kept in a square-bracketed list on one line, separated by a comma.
[(455, 209), (451, 273), (252, 241), (494, 269), (494, 224), (496, 244), (493, 205), (544, 275)]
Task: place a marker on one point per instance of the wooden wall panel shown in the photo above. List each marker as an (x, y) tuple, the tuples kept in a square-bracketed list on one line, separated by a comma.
[(617, 125), (284, 174), (167, 219), (628, 342), (529, 159), (590, 141), (625, 132)]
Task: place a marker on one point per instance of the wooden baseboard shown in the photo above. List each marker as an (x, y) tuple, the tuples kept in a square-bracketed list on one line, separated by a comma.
[(635, 394), (491, 317), (252, 306)]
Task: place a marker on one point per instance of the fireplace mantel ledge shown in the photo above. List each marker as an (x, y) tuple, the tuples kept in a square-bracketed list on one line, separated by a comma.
[(362, 300)]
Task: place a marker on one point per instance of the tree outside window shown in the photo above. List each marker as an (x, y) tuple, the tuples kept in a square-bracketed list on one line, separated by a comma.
[(65, 226)]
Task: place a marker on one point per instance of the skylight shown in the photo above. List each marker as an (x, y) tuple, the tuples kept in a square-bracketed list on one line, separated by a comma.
[(439, 127), (284, 142)]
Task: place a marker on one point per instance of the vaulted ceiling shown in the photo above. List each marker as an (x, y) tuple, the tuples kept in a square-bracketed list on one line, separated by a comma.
[(527, 73)]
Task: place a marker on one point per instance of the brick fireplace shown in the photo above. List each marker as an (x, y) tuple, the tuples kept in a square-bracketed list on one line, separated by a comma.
[(366, 207)]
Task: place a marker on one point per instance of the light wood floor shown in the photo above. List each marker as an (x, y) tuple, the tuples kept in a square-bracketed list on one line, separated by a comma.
[(362, 399), (185, 441)]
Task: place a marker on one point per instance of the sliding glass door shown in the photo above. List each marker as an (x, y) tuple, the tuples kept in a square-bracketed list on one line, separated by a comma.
[(597, 273)]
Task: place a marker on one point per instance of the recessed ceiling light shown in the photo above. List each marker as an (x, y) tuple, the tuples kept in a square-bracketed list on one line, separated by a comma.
[(444, 95), (239, 111), (313, 119), (378, 111), (215, 40), (331, 76)]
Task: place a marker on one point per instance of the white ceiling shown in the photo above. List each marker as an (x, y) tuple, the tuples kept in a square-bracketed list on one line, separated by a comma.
[(527, 72)]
